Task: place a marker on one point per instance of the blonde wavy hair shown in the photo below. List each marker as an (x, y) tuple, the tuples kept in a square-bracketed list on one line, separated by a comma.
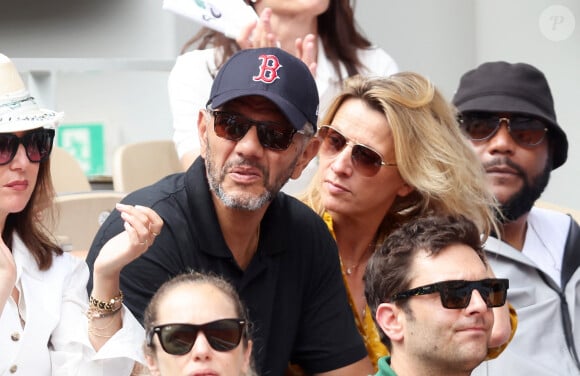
[(432, 155)]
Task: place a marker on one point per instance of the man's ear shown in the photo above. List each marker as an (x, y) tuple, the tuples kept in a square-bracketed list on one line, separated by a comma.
[(247, 359), (152, 364), (391, 320), (309, 152), (202, 123)]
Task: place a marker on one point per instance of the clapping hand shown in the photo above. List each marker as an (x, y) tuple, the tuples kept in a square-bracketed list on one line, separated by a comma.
[(306, 51), (260, 34)]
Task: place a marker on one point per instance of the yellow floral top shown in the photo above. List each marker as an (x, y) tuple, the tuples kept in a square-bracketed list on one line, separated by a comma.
[(366, 326), (370, 333)]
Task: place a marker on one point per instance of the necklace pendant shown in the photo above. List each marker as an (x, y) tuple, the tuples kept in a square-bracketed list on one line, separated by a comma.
[(348, 271)]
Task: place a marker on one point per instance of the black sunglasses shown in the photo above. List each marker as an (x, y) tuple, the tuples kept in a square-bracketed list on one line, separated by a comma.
[(272, 135), (457, 294), (364, 158), (178, 339), (38, 145), (525, 130)]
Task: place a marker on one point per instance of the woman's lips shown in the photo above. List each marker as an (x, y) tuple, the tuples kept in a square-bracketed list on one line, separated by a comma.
[(19, 185)]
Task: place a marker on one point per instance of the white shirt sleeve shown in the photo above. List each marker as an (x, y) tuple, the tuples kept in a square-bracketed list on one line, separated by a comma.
[(189, 85), (72, 352)]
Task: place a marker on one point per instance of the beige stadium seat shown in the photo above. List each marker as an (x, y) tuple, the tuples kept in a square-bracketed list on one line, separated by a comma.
[(140, 164), (67, 174), (78, 216), (548, 205)]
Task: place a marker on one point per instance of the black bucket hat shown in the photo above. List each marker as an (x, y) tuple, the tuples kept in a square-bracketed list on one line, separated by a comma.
[(513, 88)]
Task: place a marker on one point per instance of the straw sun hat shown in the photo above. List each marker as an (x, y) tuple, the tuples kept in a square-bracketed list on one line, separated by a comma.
[(18, 110)]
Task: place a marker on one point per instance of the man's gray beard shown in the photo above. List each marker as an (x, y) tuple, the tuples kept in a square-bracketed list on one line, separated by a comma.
[(244, 201)]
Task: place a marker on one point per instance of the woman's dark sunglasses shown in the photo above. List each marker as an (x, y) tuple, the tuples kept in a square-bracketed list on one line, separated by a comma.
[(37, 144), (525, 130), (272, 135), (178, 339), (366, 160), (457, 294)]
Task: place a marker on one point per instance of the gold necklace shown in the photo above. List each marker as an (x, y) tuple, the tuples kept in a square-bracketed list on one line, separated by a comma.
[(350, 269)]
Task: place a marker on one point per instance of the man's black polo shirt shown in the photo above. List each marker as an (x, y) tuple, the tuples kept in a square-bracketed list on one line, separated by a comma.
[(292, 287)]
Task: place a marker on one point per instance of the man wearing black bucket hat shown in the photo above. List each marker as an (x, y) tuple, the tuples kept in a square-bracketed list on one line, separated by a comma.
[(225, 215), (507, 112)]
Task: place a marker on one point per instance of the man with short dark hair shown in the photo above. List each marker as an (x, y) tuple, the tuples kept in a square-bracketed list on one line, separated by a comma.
[(430, 294), (507, 112), (225, 215)]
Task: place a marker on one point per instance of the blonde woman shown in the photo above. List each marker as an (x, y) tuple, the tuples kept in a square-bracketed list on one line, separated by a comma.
[(391, 150)]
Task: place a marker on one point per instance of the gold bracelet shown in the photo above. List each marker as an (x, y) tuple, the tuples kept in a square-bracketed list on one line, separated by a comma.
[(95, 313), (93, 327), (114, 304)]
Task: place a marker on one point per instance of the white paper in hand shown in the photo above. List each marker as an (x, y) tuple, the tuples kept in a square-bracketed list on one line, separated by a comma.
[(226, 16)]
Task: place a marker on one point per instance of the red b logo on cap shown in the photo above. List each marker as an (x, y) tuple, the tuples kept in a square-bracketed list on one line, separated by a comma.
[(268, 69)]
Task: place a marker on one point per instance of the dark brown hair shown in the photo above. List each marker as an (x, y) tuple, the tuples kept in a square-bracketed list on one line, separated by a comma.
[(29, 223), (337, 29)]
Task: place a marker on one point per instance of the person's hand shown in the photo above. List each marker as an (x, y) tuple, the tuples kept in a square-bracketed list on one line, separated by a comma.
[(306, 51), (258, 33), (142, 225)]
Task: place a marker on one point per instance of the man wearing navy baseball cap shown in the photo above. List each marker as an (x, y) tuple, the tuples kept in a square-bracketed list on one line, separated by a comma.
[(507, 112), (226, 215)]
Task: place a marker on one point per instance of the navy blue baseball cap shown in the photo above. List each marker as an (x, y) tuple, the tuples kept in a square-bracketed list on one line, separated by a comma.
[(271, 73), (519, 88)]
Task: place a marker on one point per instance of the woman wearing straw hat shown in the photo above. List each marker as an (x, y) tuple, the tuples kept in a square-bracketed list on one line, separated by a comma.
[(48, 325)]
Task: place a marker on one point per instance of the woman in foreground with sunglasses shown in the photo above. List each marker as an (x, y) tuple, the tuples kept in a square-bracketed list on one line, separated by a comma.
[(48, 325), (391, 150), (197, 324)]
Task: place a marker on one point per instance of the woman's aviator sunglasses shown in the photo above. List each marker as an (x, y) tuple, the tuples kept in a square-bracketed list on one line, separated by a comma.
[(525, 130), (178, 339), (272, 135), (37, 144), (457, 294), (365, 159)]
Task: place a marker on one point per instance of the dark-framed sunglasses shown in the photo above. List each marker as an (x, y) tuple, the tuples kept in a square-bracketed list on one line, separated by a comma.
[(456, 294), (272, 135), (525, 130), (37, 144), (365, 159), (178, 339)]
